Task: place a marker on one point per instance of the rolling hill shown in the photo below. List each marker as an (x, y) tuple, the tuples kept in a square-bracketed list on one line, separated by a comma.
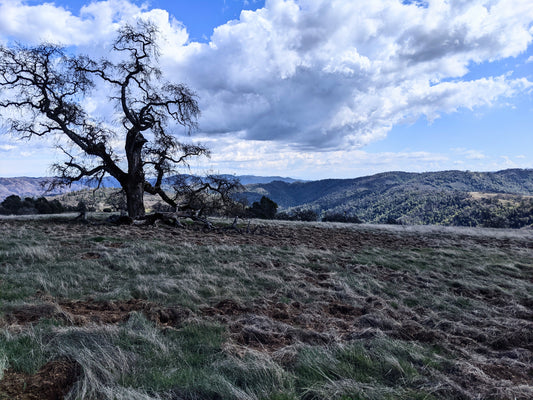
[(448, 197), (36, 187), (329, 193), (31, 187), (491, 199)]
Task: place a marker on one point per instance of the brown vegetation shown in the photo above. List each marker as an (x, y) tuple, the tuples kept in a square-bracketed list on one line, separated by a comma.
[(486, 330)]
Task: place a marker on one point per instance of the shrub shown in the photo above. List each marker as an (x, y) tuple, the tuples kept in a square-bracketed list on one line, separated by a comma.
[(298, 215), (12, 204), (264, 209), (341, 217), (15, 205)]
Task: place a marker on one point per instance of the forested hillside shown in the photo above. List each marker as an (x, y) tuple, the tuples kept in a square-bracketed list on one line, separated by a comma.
[(502, 199), (495, 199)]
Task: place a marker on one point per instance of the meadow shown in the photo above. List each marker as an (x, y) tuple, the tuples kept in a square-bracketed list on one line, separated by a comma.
[(293, 311)]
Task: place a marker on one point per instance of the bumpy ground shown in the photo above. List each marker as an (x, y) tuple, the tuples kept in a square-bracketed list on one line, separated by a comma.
[(461, 299)]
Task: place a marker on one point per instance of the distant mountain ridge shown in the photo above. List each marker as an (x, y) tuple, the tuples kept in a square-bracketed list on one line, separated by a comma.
[(330, 191), (31, 187), (491, 199), (36, 187)]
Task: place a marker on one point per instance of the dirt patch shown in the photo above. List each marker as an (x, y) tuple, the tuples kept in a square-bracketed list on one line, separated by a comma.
[(312, 236), (91, 255), (29, 313), (519, 336), (517, 373), (225, 307), (411, 330), (270, 325), (52, 382), (111, 312), (95, 312), (263, 333)]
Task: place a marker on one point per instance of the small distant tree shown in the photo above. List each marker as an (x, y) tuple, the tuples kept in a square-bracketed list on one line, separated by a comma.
[(15, 205), (264, 209), (298, 215), (82, 207), (392, 220), (12, 204), (43, 206), (305, 215), (46, 87), (117, 200)]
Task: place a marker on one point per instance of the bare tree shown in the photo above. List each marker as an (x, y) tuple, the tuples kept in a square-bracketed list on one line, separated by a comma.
[(213, 194), (45, 86)]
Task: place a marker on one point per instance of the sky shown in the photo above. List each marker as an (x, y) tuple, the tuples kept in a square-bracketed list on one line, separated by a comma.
[(316, 89)]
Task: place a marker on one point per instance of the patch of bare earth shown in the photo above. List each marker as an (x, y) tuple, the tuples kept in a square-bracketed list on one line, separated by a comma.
[(55, 378), (78, 312), (52, 382)]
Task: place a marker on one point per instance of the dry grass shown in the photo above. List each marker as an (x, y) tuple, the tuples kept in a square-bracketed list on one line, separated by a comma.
[(301, 311)]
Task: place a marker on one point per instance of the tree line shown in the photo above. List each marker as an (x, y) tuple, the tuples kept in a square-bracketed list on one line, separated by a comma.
[(14, 205), (454, 210)]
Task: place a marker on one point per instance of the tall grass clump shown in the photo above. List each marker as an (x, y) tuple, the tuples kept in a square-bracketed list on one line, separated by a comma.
[(376, 369), (24, 352), (3, 363)]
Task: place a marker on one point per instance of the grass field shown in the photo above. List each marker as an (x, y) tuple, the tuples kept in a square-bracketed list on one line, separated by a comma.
[(295, 311)]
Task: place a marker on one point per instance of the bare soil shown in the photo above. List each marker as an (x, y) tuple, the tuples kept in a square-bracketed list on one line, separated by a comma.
[(52, 382), (306, 235), (81, 313)]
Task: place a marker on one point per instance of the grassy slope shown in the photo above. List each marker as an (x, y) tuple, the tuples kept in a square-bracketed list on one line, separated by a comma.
[(299, 312)]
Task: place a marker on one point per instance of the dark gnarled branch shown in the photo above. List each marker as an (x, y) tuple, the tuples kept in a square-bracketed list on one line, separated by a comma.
[(47, 86)]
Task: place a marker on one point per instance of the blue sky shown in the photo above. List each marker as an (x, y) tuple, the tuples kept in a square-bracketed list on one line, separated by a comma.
[(320, 88), (199, 16)]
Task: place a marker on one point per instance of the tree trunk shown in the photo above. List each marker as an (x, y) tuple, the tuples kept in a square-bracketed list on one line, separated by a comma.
[(135, 199), (134, 185)]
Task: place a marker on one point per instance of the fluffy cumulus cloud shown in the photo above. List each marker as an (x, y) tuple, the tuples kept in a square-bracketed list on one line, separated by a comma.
[(315, 75), (46, 22), (327, 74)]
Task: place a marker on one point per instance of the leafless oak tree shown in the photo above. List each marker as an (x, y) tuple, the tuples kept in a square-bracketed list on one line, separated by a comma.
[(46, 86)]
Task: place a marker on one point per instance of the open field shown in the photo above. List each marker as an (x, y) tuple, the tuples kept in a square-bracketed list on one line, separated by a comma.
[(295, 311)]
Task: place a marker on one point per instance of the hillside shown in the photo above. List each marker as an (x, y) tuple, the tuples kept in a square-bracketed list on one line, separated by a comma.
[(417, 198), (31, 187), (326, 193), (35, 187), (502, 199)]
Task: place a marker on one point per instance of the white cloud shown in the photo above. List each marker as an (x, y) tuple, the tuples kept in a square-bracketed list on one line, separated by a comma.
[(470, 154), (274, 158), (328, 74), (313, 75), (7, 147), (46, 22)]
